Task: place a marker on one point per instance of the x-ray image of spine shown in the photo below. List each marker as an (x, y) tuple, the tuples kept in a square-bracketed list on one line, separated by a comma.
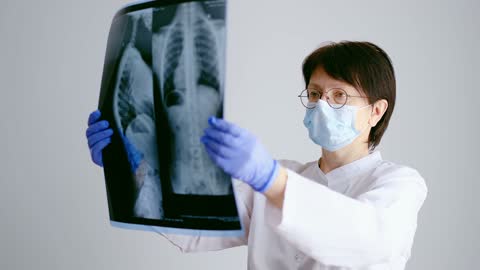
[(188, 60), (134, 117)]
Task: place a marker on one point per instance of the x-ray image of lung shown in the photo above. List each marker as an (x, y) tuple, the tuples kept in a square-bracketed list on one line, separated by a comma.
[(134, 115), (163, 77), (187, 58)]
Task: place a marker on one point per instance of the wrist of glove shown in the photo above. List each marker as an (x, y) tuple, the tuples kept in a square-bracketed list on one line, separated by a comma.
[(264, 184), (240, 154)]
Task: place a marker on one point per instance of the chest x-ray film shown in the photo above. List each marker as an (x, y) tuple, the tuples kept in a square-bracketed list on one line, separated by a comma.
[(163, 77)]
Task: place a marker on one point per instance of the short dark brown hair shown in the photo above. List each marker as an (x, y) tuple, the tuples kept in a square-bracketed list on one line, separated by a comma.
[(363, 65)]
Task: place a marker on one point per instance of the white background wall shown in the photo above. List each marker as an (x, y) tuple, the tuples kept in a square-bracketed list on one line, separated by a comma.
[(53, 210)]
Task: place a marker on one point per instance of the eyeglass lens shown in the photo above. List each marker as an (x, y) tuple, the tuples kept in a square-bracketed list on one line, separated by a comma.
[(336, 97)]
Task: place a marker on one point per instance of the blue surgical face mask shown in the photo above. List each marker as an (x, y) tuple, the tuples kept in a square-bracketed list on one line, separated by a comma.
[(331, 128)]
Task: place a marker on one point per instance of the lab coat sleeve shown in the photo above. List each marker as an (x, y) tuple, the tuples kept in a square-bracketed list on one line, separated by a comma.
[(357, 231), (198, 242)]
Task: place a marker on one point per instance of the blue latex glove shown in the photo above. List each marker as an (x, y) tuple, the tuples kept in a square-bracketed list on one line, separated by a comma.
[(134, 156), (240, 154), (98, 136)]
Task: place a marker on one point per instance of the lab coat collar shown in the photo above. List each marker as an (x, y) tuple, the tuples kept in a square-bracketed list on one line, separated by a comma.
[(339, 178)]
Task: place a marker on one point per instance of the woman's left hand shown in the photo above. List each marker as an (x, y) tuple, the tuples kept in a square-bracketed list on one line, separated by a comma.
[(240, 154)]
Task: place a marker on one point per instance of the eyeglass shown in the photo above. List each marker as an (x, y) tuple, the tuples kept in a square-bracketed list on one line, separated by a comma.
[(336, 97)]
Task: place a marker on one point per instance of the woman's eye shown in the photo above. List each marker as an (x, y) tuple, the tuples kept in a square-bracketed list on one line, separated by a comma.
[(339, 94)]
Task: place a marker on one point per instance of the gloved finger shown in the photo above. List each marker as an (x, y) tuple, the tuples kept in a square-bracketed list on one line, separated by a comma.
[(93, 117), (220, 136), (96, 127), (217, 159), (94, 138), (217, 148), (96, 151), (225, 126)]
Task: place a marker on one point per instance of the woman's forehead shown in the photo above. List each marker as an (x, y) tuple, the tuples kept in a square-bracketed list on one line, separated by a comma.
[(321, 81)]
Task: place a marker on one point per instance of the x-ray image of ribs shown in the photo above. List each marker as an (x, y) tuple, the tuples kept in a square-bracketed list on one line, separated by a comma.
[(187, 59), (134, 116)]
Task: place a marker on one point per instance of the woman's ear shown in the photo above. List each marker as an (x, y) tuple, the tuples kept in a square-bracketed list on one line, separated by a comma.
[(379, 108)]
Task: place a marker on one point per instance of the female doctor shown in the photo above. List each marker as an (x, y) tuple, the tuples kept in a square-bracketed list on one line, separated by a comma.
[(350, 209)]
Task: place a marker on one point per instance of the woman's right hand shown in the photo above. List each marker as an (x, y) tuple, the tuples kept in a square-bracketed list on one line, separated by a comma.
[(98, 136)]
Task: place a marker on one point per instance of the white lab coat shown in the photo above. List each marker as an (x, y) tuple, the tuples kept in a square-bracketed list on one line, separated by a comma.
[(362, 215)]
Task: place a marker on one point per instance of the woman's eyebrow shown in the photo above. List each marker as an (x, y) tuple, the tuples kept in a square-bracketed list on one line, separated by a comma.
[(316, 86)]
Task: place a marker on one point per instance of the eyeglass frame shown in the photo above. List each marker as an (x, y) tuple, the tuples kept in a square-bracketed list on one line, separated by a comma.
[(329, 89)]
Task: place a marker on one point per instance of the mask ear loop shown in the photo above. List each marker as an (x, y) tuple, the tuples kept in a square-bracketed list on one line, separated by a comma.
[(366, 126)]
